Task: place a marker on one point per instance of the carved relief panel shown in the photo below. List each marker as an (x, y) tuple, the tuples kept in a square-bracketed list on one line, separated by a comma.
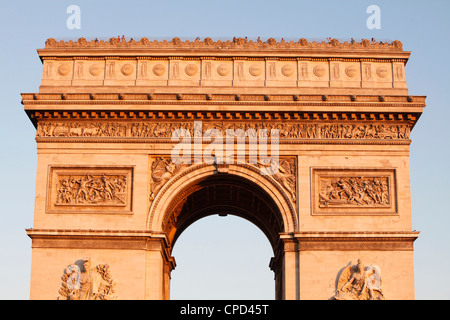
[(345, 73), (92, 190), (162, 170), (283, 171), (353, 191), (57, 72), (281, 73), (89, 72), (398, 68), (152, 72), (249, 72), (376, 74), (184, 72), (218, 71), (85, 281), (164, 129), (359, 282)]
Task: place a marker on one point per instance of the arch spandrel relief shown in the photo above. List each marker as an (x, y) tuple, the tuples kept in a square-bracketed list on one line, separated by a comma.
[(282, 176)]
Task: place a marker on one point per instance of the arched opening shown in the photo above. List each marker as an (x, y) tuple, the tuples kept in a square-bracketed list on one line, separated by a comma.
[(222, 258), (238, 190), (223, 194)]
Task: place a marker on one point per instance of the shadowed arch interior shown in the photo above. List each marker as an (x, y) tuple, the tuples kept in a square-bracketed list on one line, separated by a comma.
[(223, 194)]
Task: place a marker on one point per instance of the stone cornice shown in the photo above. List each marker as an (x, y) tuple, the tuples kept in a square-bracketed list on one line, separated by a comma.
[(350, 241), (201, 98), (230, 47), (297, 241), (353, 234), (98, 239), (49, 114), (325, 57), (138, 104), (102, 239), (245, 107), (32, 233)]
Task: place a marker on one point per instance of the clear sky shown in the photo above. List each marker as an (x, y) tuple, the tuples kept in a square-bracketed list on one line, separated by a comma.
[(422, 26)]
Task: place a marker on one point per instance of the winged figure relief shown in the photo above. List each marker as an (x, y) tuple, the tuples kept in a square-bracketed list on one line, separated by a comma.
[(162, 171)]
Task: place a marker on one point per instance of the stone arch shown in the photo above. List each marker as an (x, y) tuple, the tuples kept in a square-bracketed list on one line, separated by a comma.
[(267, 205), (186, 182)]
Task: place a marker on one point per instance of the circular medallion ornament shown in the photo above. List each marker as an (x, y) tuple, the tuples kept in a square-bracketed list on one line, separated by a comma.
[(63, 69), (159, 69), (191, 69), (382, 72), (287, 70), (319, 70), (351, 71), (95, 70), (255, 70), (223, 70), (127, 69)]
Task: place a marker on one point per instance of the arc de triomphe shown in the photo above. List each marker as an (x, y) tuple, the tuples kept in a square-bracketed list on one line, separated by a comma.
[(112, 196)]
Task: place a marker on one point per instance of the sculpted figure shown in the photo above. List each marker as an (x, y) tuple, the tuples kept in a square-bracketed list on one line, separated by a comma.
[(89, 281), (108, 188), (70, 286), (358, 191), (359, 283), (163, 130), (91, 189), (162, 171), (92, 283), (283, 172)]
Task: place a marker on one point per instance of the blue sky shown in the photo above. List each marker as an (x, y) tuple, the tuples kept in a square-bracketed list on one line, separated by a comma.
[(422, 26)]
